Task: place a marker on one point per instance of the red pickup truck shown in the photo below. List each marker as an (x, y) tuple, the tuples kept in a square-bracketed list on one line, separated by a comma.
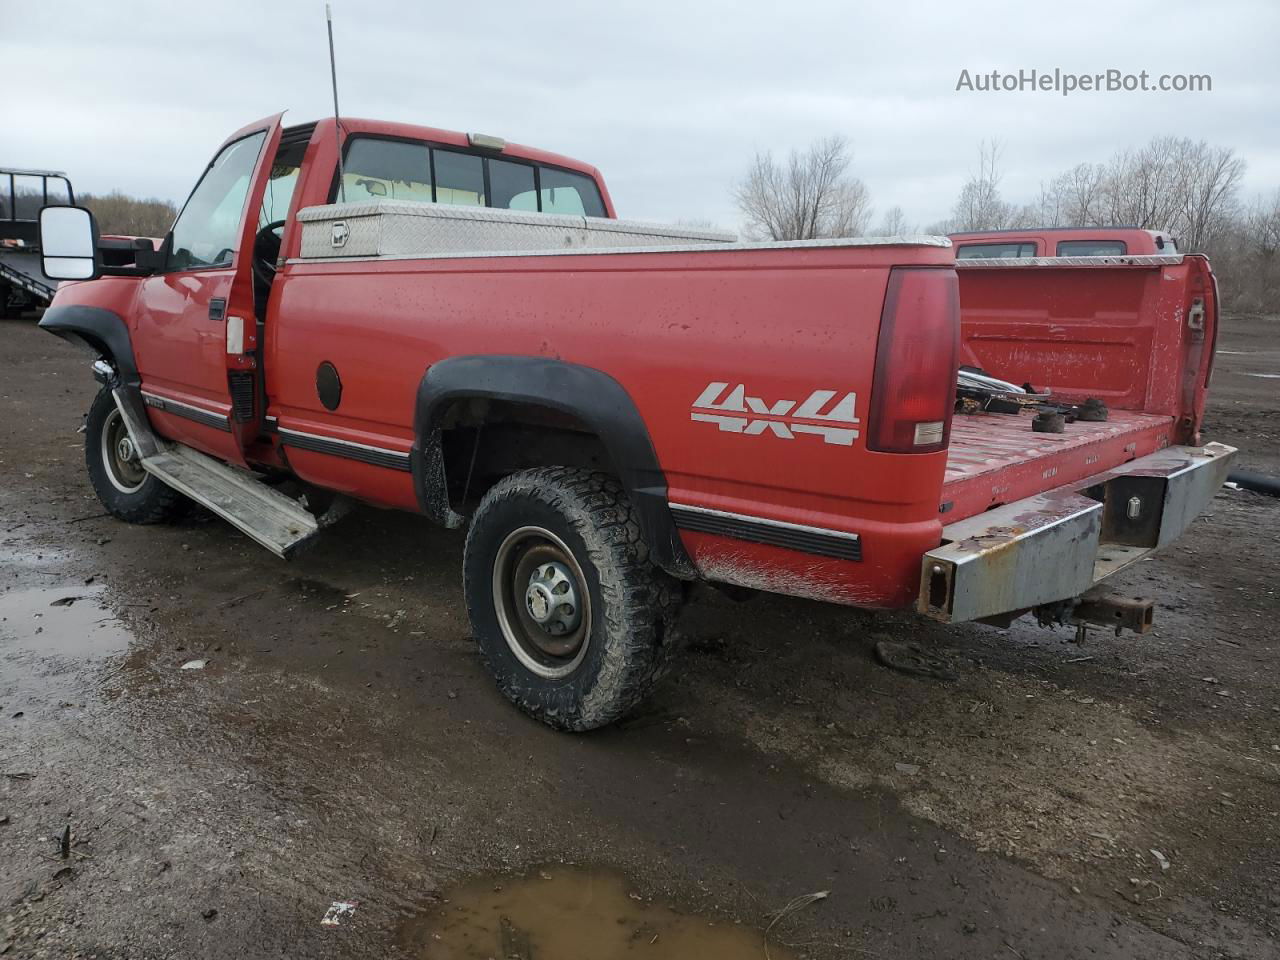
[(459, 327)]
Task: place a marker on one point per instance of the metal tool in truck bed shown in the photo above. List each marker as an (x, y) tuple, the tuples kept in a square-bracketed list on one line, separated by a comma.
[(615, 409)]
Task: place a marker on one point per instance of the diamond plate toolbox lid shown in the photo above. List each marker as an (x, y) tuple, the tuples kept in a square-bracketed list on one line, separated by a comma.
[(399, 228)]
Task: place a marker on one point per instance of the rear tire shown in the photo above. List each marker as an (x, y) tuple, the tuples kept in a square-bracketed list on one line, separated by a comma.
[(124, 487), (572, 620)]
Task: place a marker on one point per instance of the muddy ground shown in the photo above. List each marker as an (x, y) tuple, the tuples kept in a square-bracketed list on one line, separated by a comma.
[(341, 743)]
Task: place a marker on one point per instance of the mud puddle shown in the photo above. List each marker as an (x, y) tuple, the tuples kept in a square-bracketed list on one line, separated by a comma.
[(61, 622), (573, 913)]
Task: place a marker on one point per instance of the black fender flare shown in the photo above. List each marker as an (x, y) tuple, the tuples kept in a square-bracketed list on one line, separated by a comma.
[(101, 331), (590, 395)]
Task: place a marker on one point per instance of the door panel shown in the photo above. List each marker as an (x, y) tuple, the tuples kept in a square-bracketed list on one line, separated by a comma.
[(182, 316)]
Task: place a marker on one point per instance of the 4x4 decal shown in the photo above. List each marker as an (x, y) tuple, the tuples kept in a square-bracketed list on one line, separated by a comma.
[(735, 412)]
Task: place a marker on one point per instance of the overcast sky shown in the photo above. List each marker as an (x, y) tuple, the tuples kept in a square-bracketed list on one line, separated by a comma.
[(668, 99)]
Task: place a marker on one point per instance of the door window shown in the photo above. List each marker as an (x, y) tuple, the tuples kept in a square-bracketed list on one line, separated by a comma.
[(207, 231)]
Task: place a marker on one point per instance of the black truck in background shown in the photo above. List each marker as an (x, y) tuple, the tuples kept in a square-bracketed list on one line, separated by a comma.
[(23, 286)]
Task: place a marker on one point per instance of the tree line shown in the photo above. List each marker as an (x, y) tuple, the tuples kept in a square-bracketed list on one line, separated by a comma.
[(1187, 187), (119, 213)]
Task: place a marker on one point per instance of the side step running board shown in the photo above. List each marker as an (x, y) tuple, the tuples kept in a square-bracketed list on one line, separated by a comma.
[(262, 513)]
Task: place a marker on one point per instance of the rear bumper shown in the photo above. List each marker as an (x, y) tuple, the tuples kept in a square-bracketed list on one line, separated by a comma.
[(1058, 544)]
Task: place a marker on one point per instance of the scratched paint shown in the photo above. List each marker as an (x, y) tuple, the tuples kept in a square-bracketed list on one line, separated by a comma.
[(815, 581)]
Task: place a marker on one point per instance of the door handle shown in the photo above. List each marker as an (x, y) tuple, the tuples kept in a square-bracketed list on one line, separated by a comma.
[(217, 308)]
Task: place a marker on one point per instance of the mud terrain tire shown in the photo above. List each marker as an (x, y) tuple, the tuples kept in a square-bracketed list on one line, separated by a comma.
[(556, 534)]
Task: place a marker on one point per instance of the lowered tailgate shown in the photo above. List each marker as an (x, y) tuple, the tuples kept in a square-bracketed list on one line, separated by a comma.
[(1056, 545)]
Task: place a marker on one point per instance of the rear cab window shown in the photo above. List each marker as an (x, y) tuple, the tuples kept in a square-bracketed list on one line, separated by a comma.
[(386, 170), (996, 251), (1091, 248), (564, 191), (376, 168), (459, 178)]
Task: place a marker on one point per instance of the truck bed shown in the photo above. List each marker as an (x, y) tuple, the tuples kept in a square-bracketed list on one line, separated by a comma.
[(996, 458)]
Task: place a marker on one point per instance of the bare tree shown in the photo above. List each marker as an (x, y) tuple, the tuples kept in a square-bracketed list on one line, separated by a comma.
[(1246, 256), (1142, 188), (1073, 198), (1209, 178), (894, 224), (1021, 217), (980, 206), (812, 195), (1051, 203), (1172, 183), (1264, 226)]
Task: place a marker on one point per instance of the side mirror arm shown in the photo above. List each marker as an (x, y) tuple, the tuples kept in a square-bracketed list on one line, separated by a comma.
[(147, 260)]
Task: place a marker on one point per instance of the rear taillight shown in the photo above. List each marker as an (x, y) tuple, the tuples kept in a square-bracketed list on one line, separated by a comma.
[(914, 391)]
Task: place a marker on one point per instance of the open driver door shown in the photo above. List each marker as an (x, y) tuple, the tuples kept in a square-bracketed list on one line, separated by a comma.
[(196, 334)]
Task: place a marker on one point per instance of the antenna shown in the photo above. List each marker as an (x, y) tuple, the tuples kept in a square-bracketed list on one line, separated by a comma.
[(337, 124)]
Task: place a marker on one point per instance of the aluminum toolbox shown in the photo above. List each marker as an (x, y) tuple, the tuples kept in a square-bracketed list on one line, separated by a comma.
[(401, 228)]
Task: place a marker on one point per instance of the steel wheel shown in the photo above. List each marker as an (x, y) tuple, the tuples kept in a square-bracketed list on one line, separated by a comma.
[(569, 616), (124, 467), (542, 602), (116, 472)]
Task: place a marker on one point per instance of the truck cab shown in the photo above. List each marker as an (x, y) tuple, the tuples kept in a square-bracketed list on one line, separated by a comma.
[(1063, 242)]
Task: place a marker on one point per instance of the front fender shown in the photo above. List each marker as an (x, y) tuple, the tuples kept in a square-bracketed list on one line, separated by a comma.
[(101, 331)]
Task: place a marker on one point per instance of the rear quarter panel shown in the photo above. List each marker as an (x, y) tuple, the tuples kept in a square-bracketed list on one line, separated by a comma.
[(781, 323)]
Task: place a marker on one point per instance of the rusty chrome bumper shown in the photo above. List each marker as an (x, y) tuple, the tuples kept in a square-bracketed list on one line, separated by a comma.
[(1057, 545)]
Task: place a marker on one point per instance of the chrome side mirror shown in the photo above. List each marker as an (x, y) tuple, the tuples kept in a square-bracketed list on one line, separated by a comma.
[(69, 243)]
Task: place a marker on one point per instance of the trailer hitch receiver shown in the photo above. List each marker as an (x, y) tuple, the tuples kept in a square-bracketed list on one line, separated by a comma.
[(1101, 607)]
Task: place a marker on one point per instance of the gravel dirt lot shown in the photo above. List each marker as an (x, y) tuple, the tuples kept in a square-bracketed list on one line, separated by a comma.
[(342, 743)]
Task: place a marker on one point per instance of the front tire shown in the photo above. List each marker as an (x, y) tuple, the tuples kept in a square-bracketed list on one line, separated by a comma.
[(124, 487), (572, 620)]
